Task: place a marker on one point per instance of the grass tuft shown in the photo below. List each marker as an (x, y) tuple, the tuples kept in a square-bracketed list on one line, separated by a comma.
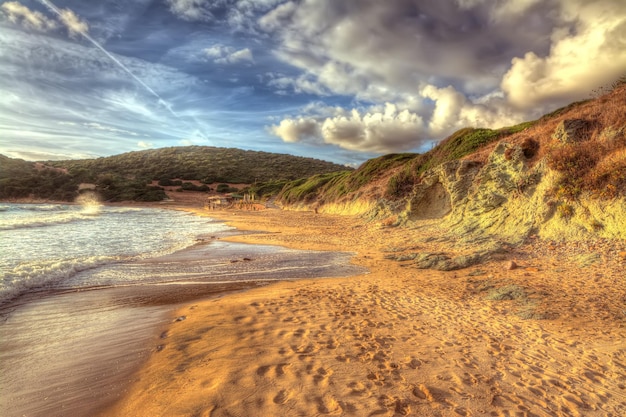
[(508, 292)]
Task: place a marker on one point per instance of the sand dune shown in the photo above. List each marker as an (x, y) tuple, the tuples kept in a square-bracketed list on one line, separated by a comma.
[(544, 339)]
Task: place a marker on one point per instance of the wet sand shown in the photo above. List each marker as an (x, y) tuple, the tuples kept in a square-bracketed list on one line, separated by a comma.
[(543, 338)]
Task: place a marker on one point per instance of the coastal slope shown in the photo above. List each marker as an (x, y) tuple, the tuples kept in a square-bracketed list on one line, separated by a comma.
[(562, 176)]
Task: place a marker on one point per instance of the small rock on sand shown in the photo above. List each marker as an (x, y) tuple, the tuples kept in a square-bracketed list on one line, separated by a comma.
[(510, 266)]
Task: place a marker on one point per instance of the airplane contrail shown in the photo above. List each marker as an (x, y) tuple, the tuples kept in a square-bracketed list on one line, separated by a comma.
[(54, 9)]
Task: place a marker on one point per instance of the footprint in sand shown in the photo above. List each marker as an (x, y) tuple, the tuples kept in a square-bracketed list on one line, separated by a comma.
[(462, 411), (358, 388), (281, 368), (332, 343), (414, 363), (422, 392), (283, 396), (263, 370), (402, 407), (329, 405), (278, 370), (322, 376), (399, 406), (343, 358)]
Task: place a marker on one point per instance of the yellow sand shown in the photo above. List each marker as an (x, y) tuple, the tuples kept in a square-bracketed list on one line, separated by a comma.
[(398, 341)]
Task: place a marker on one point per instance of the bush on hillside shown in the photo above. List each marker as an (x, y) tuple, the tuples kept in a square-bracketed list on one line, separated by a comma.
[(225, 188)]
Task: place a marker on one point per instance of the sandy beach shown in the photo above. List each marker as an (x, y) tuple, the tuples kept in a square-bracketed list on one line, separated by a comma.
[(538, 330)]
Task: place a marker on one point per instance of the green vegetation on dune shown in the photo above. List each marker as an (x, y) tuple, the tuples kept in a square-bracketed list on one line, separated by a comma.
[(113, 187), (267, 189), (307, 189), (464, 142), (328, 187), (408, 167)]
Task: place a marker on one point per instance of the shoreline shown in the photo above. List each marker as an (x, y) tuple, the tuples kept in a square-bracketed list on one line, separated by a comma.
[(537, 338), (134, 319)]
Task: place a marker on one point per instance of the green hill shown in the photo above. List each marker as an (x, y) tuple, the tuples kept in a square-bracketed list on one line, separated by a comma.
[(125, 176), (204, 163)]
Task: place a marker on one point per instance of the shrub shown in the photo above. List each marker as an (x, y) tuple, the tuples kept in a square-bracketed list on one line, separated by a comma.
[(565, 211), (530, 147), (225, 188), (574, 161), (188, 186), (268, 189), (401, 183), (166, 182)]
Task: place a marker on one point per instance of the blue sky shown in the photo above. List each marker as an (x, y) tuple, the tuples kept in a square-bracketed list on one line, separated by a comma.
[(336, 80)]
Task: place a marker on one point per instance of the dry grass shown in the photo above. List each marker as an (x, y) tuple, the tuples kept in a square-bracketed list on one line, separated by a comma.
[(607, 112), (597, 165)]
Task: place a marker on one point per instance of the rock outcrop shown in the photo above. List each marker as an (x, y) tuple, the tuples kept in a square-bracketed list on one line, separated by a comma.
[(572, 130), (509, 198)]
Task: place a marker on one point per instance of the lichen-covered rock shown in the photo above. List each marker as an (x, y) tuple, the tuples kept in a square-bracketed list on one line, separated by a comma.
[(443, 262), (571, 131)]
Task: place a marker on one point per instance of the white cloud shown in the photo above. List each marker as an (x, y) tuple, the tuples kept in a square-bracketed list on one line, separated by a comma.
[(389, 130), (228, 55), (389, 48), (45, 155), (145, 145), (74, 24), (237, 15), (191, 10), (297, 130), (215, 51), (20, 14), (454, 111), (577, 63), (243, 55), (98, 126)]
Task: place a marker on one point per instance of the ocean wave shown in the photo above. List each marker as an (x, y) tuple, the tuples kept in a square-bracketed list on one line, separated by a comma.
[(43, 221), (44, 274), (42, 207), (128, 210)]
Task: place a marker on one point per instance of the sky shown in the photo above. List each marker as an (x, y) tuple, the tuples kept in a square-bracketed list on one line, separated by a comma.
[(339, 80)]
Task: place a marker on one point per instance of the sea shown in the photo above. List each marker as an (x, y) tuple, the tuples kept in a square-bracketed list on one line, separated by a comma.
[(84, 289), (52, 246)]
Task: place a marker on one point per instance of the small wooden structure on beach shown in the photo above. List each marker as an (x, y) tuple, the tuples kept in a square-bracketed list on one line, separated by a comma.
[(218, 202), (237, 201), (248, 202)]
